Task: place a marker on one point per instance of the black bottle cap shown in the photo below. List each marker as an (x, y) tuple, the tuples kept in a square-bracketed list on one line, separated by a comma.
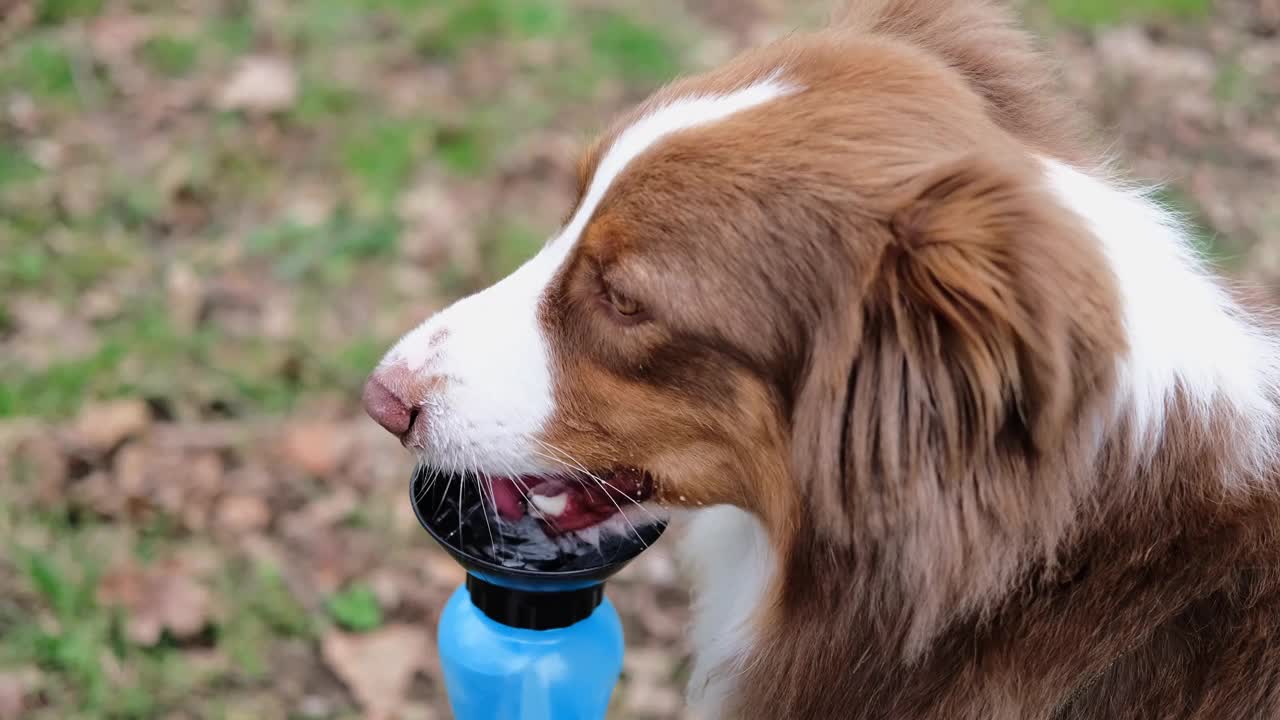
[(534, 610)]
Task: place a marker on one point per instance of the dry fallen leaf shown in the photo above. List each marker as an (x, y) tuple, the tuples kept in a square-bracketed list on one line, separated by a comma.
[(418, 711), (155, 599), (445, 570), (45, 462), (102, 426), (185, 295), (15, 688), (648, 692), (644, 699), (261, 84), (377, 667), (113, 37), (316, 448), (241, 513)]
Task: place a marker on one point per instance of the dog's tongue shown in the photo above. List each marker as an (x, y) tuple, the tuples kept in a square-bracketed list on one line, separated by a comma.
[(561, 506)]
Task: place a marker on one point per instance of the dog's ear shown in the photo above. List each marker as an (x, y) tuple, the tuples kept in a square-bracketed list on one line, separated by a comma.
[(974, 303), (941, 401)]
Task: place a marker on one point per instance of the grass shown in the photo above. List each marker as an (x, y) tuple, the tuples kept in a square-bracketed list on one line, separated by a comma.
[(82, 646), (234, 34), (55, 267), (43, 67), (83, 642), (16, 167), (320, 100), (59, 389), (381, 156), (364, 141), (465, 150), (1094, 13), (356, 608), (23, 265), (169, 55), (512, 244), (477, 22), (326, 255), (71, 647), (632, 50), (369, 151), (57, 12)]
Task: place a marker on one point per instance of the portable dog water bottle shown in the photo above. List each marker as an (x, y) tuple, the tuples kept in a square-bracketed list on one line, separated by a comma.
[(530, 635)]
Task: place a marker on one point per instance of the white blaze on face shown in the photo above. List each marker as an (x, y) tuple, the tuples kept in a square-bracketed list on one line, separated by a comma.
[(493, 355)]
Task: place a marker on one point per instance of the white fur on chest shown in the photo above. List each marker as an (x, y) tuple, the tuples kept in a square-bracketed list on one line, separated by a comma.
[(727, 554)]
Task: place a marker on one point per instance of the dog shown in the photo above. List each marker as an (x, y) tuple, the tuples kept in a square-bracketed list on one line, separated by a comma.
[(961, 425)]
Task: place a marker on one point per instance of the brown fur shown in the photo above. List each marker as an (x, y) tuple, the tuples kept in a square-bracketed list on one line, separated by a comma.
[(865, 321)]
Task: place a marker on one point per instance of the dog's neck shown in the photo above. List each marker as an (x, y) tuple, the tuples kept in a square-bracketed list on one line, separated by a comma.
[(1168, 526), (1141, 572)]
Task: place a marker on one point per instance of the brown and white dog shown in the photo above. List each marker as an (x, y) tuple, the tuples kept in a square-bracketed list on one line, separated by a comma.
[(962, 426)]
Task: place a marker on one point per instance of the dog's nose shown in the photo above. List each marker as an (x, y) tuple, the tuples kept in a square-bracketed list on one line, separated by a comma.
[(385, 407)]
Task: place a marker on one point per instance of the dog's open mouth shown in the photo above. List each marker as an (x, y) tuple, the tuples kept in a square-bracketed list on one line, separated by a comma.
[(586, 522), (566, 504)]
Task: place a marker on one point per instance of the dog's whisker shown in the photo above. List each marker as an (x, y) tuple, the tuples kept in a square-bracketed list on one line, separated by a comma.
[(525, 492), (609, 495), (577, 465), (425, 483), (480, 477), (443, 495), (461, 482)]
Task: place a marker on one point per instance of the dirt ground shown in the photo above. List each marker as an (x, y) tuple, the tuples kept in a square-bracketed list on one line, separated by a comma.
[(215, 215)]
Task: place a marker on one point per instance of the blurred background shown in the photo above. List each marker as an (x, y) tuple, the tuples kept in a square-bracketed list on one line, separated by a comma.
[(215, 215)]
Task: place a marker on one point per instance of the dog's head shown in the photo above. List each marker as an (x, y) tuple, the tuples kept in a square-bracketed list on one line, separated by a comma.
[(827, 283)]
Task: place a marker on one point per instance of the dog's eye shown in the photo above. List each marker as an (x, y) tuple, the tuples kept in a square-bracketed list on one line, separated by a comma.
[(622, 304)]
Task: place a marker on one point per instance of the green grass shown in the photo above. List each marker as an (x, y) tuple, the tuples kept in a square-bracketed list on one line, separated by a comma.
[(364, 148), (249, 376), (43, 67), (82, 646), (381, 156), (234, 34), (512, 245), (1093, 13), (637, 52), (1232, 85), (315, 23), (320, 101), (267, 598), (85, 640), (72, 647), (24, 265), (16, 167), (539, 19), (465, 150), (168, 55), (468, 23), (465, 23), (56, 12), (63, 271), (351, 364), (59, 389), (326, 256), (356, 609)]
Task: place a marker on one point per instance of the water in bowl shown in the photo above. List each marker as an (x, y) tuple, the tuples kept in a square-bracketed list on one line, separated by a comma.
[(462, 516)]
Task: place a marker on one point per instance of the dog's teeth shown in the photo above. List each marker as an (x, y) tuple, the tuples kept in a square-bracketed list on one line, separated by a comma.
[(553, 506)]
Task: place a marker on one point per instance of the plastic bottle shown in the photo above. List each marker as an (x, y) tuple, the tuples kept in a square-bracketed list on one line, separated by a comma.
[(512, 653)]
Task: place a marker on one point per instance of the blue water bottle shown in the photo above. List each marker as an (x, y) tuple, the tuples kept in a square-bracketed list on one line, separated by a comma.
[(528, 636)]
